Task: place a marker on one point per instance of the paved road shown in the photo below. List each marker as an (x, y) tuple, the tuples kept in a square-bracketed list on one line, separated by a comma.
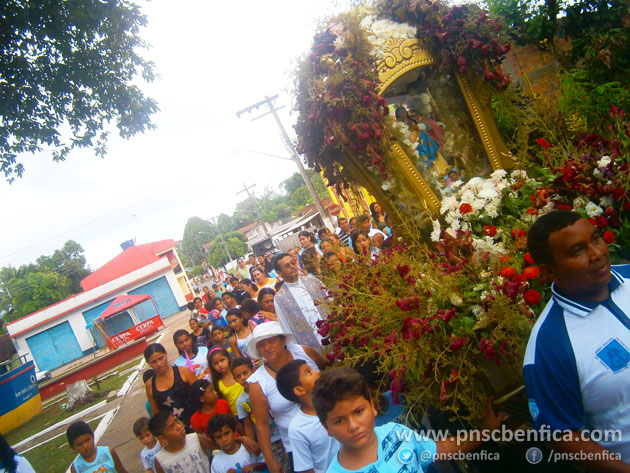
[(119, 434)]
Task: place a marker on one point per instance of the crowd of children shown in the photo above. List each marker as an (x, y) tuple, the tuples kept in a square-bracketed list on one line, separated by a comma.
[(202, 419)]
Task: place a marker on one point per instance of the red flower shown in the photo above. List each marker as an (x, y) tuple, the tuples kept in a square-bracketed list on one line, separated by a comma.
[(518, 233), (490, 230), (609, 237), (531, 272), (601, 222), (532, 297), (563, 207), (508, 272), (626, 206), (465, 208), (617, 193), (456, 343), (528, 258), (532, 211), (408, 303), (544, 143)]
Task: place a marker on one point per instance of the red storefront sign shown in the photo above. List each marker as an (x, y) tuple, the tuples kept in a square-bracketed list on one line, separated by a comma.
[(143, 329)]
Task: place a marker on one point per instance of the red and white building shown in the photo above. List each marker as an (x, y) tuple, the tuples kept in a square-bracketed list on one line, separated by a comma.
[(58, 334)]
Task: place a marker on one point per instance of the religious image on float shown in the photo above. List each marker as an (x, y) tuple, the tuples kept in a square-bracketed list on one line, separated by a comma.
[(431, 112)]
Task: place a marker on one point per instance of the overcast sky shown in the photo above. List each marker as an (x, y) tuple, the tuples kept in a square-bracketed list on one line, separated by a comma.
[(213, 59)]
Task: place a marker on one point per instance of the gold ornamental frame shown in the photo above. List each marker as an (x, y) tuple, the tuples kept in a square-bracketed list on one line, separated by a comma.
[(403, 55)]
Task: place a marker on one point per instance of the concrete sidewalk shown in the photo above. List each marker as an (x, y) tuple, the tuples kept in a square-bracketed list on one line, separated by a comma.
[(119, 434)]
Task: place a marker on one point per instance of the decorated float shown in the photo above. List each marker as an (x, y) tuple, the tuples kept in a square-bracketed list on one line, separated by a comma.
[(396, 98)]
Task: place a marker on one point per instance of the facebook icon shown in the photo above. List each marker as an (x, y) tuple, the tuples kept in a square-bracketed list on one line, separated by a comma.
[(534, 455)]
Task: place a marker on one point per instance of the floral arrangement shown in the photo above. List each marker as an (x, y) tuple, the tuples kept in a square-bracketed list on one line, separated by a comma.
[(462, 36), (440, 317), (339, 110)]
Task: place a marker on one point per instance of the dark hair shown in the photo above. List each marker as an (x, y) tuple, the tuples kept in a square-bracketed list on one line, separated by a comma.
[(322, 231), (7, 456), (341, 219), (158, 421), (76, 429), (264, 292), (541, 230), (214, 286), (250, 306), (337, 384), (237, 313), (363, 218), (373, 212), (240, 295), (195, 391), (326, 240), (151, 349), (214, 374), (218, 421), (148, 374), (217, 327), (276, 261), (308, 235), (249, 283), (288, 378), (227, 293), (140, 426), (354, 234), (214, 302), (328, 254), (180, 333), (208, 306), (242, 361), (376, 381), (257, 268), (310, 260), (190, 305)]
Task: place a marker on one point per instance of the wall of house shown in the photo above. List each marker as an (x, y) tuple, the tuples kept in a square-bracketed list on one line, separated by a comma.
[(72, 310)]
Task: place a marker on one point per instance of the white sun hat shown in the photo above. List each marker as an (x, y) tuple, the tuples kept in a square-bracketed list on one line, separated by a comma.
[(263, 332)]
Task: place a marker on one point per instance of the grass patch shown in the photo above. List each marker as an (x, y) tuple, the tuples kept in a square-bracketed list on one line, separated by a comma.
[(55, 455), (54, 413)]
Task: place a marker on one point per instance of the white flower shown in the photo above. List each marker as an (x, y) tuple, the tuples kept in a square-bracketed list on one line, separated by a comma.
[(488, 193), (603, 162), (597, 173), (456, 184), (593, 210), (467, 196), (580, 202), (498, 174), (606, 201), (435, 234), (449, 203), (492, 210)]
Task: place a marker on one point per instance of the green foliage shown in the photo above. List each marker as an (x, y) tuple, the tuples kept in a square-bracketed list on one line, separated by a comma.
[(69, 66), (196, 271), (527, 21), (236, 244), (34, 286), (196, 233), (590, 101)]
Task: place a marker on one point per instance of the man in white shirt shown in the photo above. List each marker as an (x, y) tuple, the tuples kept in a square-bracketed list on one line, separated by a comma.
[(299, 302)]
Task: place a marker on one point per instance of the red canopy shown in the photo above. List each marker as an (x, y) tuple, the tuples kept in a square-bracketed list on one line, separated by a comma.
[(122, 303)]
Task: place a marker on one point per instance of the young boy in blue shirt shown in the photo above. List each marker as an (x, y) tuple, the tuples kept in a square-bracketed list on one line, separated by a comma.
[(343, 402), (313, 448)]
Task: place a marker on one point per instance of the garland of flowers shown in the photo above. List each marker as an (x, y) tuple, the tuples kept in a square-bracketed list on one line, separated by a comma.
[(339, 110)]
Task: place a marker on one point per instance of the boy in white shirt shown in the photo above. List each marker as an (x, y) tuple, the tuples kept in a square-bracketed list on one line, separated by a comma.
[(150, 442), (233, 455), (313, 448)]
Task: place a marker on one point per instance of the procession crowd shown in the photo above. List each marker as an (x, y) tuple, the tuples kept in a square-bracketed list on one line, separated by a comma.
[(250, 390)]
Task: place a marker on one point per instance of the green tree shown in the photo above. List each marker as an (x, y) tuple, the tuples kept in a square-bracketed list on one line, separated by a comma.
[(69, 65), (38, 290), (67, 261), (196, 233), (293, 183), (237, 246), (34, 286)]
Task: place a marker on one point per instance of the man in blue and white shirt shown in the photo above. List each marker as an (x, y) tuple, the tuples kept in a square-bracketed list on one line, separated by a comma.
[(577, 363)]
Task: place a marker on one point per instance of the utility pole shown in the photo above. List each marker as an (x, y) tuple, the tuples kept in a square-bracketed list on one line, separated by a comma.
[(253, 199), (294, 154), (221, 237)]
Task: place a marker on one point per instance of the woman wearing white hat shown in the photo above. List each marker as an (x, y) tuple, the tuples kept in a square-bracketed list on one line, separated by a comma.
[(277, 348)]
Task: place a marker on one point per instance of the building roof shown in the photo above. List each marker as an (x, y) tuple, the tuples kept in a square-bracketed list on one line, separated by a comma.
[(248, 227), (129, 260)]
